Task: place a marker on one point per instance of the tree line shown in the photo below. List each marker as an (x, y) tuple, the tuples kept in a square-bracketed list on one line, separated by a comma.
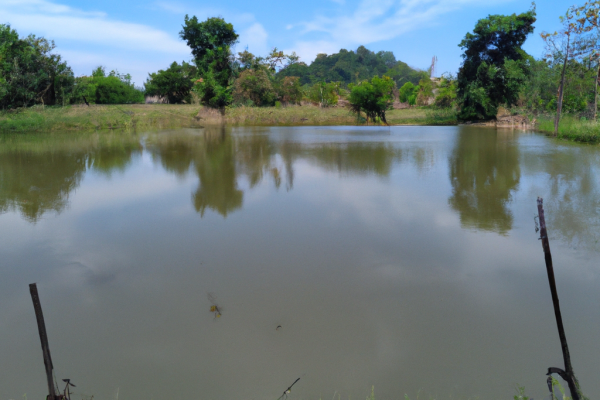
[(496, 72)]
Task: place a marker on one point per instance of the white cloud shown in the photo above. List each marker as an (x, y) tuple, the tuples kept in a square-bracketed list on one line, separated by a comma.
[(95, 30), (29, 6), (171, 6), (90, 39), (255, 37), (374, 21)]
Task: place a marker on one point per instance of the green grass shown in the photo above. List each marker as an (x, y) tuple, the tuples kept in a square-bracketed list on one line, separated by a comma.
[(97, 117), (159, 116), (571, 128)]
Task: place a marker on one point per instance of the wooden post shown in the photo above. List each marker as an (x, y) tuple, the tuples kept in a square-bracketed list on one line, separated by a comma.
[(567, 374), (39, 316)]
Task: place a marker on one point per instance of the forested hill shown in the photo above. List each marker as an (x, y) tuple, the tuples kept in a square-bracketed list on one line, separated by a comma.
[(349, 66)]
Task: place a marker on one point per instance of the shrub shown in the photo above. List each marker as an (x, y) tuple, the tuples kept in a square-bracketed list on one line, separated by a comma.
[(373, 97)]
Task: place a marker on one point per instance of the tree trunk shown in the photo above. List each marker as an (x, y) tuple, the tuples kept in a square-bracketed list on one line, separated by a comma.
[(596, 92), (561, 90)]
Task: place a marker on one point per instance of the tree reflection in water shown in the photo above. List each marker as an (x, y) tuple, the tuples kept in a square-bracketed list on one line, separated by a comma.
[(37, 173), (571, 180), (484, 171)]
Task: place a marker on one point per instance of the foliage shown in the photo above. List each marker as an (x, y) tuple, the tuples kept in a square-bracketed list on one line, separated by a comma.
[(102, 88), (258, 84), (211, 93), (30, 73), (210, 42), (406, 92), (572, 128), (424, 92), (289, 90), (401, 73), (494, 66), (325, 94), (446, 96), (254, 85), (373, 97), (174, 83), (351, 67), (441, 116), (520, 394)]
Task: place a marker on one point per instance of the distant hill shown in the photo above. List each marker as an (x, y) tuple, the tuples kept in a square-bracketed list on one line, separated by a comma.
[(350, 67)]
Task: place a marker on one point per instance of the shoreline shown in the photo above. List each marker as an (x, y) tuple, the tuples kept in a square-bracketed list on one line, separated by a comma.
[(81, 118)]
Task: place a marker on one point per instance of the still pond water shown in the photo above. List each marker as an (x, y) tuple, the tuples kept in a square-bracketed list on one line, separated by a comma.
[(403, 258)]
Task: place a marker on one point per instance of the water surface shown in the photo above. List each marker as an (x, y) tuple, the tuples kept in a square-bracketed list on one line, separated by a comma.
[(403, 258)]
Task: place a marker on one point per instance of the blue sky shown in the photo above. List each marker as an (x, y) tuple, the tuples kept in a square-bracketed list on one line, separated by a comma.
[(139, 37)]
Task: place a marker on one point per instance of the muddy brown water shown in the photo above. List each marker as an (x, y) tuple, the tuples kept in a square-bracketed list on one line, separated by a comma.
[(403, 258)]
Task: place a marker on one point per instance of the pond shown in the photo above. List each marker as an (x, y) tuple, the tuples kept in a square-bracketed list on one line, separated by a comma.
[(404, 259)]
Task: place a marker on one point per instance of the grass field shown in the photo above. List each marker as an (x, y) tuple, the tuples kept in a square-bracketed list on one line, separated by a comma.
[(572, 128), (149, 116)]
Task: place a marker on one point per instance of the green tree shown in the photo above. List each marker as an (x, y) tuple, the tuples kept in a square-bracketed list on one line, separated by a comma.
[(114, 88), (210, 42), (30, 73), (325, 94), (591, 22), (351, 67), (424, 92), (406, 91), (254, 85), (446, 95), (494, 66), (373, 97), (289, 90), (565, 44), (174, 83)]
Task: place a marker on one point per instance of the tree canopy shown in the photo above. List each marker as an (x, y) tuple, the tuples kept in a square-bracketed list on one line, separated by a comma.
[(372, 97), (29, 72), (353, 67), (495, 66), (174, 83), (210, 42)]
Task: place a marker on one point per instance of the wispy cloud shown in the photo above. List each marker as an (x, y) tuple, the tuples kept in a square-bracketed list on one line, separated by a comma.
[(373, 21), (255, 37), (58, 21), (43, 6), (91, 38)]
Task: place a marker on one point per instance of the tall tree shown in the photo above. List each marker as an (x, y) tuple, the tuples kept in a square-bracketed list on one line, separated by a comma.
[(494, 66), (588, 20), (565, 44), (210, 42)]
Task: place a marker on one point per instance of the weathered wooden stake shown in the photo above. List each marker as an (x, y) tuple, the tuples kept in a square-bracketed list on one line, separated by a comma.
[(567, 374), (39, 316)]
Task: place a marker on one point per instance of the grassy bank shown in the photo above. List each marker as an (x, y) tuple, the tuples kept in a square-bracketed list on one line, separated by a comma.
[(150, 116), (95, 117), (572, 128)]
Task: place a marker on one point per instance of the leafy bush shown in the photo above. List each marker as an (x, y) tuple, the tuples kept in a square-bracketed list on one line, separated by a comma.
[(254, 85), (100, 88), (174, 83), (405, 92), (424, 92), (446, 96), (325, 94), (373, 97), (289, 90)]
